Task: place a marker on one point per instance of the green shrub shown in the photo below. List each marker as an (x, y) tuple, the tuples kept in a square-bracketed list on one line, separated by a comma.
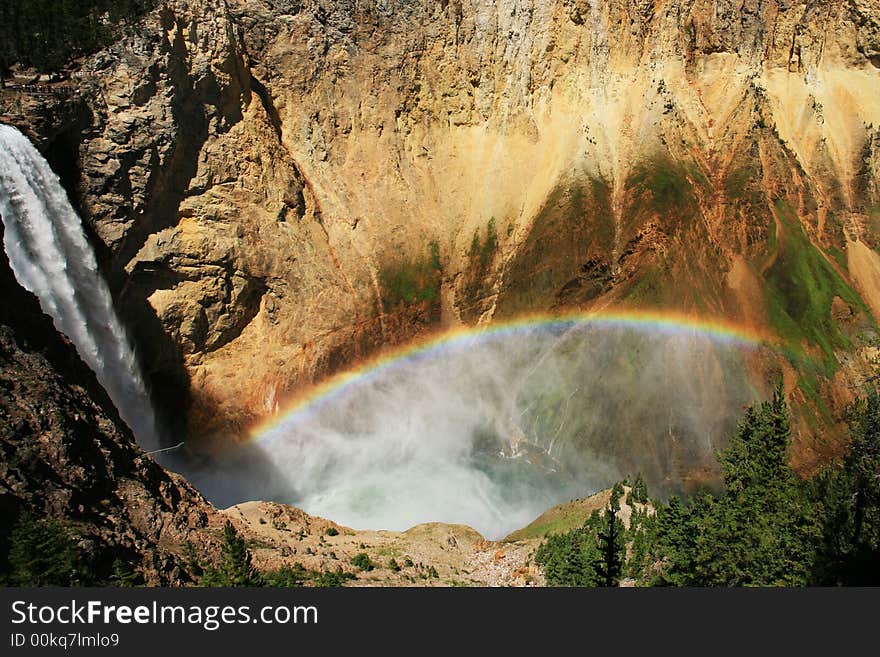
[(124, 574), (333, 579), (665, 184), (286, 576), (363, 562)]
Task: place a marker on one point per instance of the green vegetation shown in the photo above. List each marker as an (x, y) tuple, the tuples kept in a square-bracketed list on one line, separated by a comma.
[(649, 289), (768, 527), (235, 568), (362, 561), (570, 559), (801, 286), (668, 185), (412, 281), (590, 555), (124, 575), (558, 520), (737, 181), (742, 185), (393, 565), (333, 578), (848, 499), (839, 257), (762, 529), (287, 577), (43, 553), (46, 552), (874, 219), (482, 251), (47, 34), (639, 493), (332, 531), (609, 564)]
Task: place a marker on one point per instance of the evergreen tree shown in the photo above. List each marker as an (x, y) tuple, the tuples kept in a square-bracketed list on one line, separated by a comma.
[(491, 245), (640, 490), (616, 494), (609, 564), (862, 468), (42, 553), (641, 536), (768, 528), (474, 251), (676, 543), (569, 559), (124, 574), (235, 568), (847, 497), (762, 531)]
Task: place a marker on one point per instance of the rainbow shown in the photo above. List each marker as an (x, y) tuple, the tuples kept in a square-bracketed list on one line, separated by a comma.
[(670, 323)]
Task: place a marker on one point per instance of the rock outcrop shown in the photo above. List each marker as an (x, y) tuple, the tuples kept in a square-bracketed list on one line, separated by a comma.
[(67, 455), (255, 168)]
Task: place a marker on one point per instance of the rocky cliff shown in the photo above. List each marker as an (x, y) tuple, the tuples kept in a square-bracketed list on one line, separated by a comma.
[(67, 455), (260, 172)]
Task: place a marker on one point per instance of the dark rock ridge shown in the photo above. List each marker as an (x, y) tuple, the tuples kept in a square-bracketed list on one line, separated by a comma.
[(67, 455)]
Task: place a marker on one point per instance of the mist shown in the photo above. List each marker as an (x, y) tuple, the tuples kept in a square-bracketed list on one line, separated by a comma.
[(492, 430)]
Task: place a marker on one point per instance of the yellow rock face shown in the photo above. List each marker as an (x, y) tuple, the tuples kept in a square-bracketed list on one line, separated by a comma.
[(286, 155)]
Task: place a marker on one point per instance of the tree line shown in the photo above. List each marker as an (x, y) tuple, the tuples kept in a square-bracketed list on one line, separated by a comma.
[(768, 528)]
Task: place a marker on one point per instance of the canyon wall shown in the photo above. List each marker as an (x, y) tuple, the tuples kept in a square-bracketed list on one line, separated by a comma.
[(66, 455), (280, 187)]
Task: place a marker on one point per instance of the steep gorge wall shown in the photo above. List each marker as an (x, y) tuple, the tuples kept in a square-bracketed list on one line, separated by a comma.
[(256, 168), (66, 455)]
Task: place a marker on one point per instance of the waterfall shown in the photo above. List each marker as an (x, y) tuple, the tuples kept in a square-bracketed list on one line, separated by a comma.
[(50, 256)]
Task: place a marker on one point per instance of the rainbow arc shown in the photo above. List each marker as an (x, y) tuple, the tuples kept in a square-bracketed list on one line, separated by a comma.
[(318, 396)]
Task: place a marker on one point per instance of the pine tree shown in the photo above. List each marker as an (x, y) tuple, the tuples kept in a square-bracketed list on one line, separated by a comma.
[(474, 251), (642, 536), (42, 553), (569, 559), (763, 530), (235, 568), (676, 544), (609, 564), (847, 496), (862, 466), (640, 490)]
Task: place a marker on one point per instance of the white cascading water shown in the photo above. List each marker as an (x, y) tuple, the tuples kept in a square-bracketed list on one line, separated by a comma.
[(51, 257)]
